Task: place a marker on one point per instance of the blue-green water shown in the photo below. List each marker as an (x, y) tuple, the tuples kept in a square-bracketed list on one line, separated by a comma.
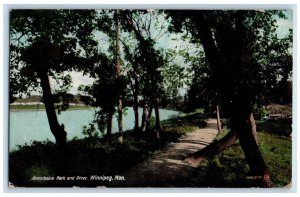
[(28, 126)]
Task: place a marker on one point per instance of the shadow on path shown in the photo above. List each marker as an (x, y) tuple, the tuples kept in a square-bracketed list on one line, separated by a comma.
[(166, 169)]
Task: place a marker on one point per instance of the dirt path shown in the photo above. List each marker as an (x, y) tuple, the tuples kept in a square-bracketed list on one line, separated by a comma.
[(166, 168)]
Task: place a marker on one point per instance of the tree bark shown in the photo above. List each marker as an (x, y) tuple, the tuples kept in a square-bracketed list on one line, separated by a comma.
[(242, 119), (149, 117), (211, 150), (218, 119), (119, 75), (243, 122), (120, 120), (57, 130), (109, 125), (244, 129), (145, 48), (135, 90), (157, 119), (136, 117), (38, 55), (144, 117), (253, 126), (136, 101)]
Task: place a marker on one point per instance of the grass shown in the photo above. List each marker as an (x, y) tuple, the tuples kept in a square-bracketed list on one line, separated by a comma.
[(92, 156), (230, 169), (82, 157), (184, 124), (281, 127)]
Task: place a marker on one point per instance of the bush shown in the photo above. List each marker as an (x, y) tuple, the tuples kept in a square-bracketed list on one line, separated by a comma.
[(90, 131), (260, 112)]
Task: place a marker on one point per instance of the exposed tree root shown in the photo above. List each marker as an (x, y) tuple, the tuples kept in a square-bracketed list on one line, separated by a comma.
[(212, 149)]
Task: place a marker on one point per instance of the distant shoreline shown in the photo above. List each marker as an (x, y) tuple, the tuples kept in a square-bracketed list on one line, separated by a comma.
[(41, 107)]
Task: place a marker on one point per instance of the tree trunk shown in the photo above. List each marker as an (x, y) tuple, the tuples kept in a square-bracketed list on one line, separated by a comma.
[(144, 117), (120, 120), (109, 125), (136, 101), (148, 120), (136, 117), (157, 119), (243, 122), (218, 119), (134, 88), (118, 68), (253, 125), (145, 48), (244, 129), (57, 130), (211, 150)]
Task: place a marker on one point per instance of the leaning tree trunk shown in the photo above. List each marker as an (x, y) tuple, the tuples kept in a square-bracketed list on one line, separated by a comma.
[(211, 150), (38, 55), (242, 119), (244, 123), (57, 130), (253, 125), (243, 128)]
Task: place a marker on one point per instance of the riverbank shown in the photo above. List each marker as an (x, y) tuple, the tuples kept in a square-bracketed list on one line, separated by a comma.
[(41, 107), (107, 163), (27, 126), (93, 156)]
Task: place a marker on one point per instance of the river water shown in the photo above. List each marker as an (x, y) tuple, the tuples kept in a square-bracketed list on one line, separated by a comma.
[(28, 126)]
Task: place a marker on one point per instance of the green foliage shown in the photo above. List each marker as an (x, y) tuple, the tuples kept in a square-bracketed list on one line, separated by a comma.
[(146, 59), (280, 127), (42, 107), (90, 131), (184, 124), (277, 151), (152, 122), (200, 111), (260, 112), (246, 56), (108, 85), (59, 31), (249, 58), (229, 168), (92, 155)]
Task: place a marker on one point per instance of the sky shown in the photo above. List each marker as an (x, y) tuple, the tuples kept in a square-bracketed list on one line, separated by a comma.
[(285, 24), (167, 42)]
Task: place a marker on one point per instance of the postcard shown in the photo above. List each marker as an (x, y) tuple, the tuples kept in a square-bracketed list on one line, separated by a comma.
[(150, 98)]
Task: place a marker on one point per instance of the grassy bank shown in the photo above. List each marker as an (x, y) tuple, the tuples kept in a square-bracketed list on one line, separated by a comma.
[(230, 169), (92, 156)]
